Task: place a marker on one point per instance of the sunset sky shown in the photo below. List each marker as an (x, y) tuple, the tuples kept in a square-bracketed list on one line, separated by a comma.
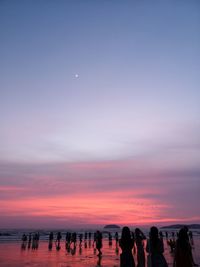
[(99, 112)]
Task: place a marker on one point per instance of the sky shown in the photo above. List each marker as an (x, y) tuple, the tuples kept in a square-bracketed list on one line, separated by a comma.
[(99, 112)]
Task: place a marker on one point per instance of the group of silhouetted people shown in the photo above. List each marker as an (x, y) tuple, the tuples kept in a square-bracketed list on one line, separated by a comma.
[(130, 243), (183, 251), (155, 249), (73, 239), (30, 241)]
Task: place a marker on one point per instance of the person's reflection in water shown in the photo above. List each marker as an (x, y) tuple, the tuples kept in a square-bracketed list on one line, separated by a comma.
[(68, 249), (80, 250), (89, 243), (117, 250), (58, 247), (99, 258), (73, 250)]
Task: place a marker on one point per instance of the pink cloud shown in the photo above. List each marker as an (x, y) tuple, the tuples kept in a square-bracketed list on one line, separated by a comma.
[(97, 193)]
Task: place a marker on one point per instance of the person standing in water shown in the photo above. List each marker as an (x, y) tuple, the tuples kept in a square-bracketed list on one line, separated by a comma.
[(183, 251), (99, 242), (126, 244), (155, 248), (50, 240), (58, 238)]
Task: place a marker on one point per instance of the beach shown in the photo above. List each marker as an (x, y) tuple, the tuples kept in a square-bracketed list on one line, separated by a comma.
[(99, 129), (11, 254)]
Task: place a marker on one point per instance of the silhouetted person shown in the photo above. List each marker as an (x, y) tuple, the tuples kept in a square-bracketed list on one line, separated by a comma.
[(35, 241), (126, 243), (90, 235), (86, 235), (37, 238), (139, 240), (116, 238), (24, 241), (166, 235), (51, 236), (58, 238), (99, 242), (110, 239), (73, 238), (67, 240), (50, 240), (155, 248), (85, 239), (80, 240), (183, 251), (29, 240)]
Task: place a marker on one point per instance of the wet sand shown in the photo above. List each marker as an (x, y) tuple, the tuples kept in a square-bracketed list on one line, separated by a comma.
[(11, 255)]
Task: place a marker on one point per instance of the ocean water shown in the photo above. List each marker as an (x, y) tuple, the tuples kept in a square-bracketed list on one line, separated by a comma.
[(12, 254)]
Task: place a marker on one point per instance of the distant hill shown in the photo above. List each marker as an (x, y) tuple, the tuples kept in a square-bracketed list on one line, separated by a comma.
[(179, 226), (111, 226)]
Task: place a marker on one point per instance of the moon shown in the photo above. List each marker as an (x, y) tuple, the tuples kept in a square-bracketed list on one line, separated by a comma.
[(76, 75)]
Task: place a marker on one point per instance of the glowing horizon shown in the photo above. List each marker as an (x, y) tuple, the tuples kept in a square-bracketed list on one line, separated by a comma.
[(84, 194)]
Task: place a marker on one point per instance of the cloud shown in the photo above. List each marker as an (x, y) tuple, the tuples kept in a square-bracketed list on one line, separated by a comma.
[(131, 191)]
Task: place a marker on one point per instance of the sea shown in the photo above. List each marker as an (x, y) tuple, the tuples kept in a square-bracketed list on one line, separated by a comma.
[(12, 254)]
